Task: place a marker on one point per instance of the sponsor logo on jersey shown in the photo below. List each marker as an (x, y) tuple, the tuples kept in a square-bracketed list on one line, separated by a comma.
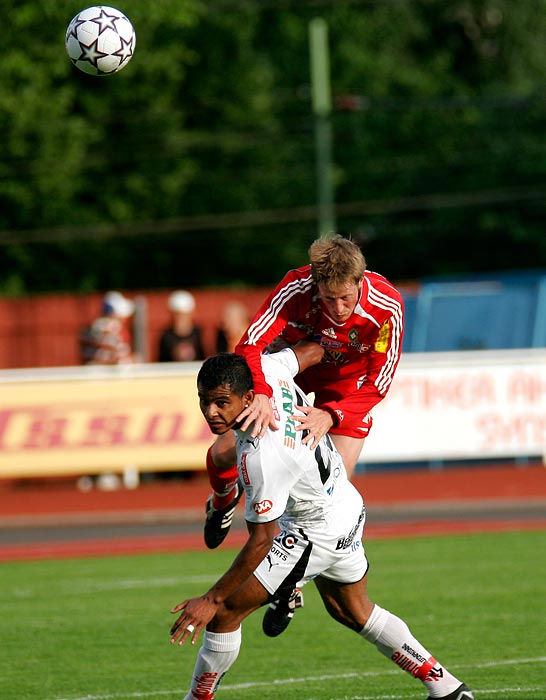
[(332, 344), (286, 540), (346, 542), (244, 470), (339, 414), (278, 553), (382, 342), (290, 425), (360, 381), (263, 506), (290, 443), (334, 357), (360, 347), (353, 341), (271, 562), (329, 333)]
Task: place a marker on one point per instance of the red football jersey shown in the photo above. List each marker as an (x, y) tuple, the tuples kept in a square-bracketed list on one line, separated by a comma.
[(361, 354)]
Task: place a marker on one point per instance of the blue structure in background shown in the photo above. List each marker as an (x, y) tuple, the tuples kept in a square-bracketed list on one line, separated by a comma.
[(480, 312), (473, 312)]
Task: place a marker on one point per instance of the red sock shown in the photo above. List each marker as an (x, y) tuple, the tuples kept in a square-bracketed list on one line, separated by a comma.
[(223, 482)]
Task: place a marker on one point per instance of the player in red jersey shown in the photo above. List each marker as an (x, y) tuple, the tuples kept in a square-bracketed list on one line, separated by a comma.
[(356, 317)]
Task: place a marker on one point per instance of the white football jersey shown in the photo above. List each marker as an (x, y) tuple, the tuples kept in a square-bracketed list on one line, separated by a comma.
[(286, 480)]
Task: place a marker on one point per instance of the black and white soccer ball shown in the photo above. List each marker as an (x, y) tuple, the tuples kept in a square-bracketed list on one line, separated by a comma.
[(100, 40)]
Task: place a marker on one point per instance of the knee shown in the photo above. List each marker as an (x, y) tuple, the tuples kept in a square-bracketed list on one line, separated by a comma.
[(224, 619), (228, 618)]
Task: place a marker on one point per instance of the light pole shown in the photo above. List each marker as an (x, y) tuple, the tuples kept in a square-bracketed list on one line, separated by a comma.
[(322, 107)]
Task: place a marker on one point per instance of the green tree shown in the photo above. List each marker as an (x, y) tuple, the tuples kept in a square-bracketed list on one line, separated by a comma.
[(195, 164)]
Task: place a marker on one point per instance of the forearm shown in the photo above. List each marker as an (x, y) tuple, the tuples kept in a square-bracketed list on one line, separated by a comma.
[(252, 553), (253, 357)]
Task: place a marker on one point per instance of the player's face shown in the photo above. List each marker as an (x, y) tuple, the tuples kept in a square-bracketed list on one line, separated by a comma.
[(220, 407), (340, 301)]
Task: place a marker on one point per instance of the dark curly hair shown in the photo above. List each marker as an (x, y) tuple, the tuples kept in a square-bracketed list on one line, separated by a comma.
[(225, 369)]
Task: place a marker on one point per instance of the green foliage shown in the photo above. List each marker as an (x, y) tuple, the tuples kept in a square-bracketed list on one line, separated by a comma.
[(98, 628), (438, 148)]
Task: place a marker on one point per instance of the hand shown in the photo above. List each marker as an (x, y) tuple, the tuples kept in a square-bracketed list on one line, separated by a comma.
[(195, 614), (260, 413), (314, 420)]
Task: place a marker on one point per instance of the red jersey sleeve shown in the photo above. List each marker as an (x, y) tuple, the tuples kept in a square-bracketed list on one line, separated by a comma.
[(287, 301)]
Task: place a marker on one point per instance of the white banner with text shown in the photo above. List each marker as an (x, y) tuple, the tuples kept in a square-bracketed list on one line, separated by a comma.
[(442, 406)]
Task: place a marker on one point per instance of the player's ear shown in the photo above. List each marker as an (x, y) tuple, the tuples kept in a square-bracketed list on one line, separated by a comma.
[(248, 397)]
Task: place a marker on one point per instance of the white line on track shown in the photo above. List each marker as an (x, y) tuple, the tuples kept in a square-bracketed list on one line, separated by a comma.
[(175, 694), (408, 697)]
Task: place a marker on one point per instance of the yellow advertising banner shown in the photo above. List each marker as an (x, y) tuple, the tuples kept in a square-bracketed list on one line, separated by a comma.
[(91, 423), (88, 420)]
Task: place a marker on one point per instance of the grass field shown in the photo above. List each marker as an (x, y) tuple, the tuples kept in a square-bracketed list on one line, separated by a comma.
[(97, 629)]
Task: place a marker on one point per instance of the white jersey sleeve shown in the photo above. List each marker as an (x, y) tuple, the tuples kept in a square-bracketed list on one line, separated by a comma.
[(286, 357)]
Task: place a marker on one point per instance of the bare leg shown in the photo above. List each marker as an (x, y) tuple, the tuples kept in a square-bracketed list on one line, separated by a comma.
[(251, 596), (222, 639), (349, 604), (349, 448)]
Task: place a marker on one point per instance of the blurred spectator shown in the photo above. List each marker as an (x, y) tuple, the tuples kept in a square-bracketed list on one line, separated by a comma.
[(107, 341), (182, 340), (235, 319)]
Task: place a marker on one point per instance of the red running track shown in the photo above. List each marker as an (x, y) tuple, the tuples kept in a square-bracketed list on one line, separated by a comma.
[(470, 490)]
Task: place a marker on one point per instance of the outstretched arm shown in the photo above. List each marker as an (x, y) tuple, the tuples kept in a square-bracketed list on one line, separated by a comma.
[(198, 612)]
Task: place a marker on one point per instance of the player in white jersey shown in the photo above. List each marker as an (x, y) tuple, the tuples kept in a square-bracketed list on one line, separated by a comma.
[(305, 493)]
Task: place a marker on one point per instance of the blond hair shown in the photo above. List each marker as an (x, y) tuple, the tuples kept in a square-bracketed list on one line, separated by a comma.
[(336, 261)]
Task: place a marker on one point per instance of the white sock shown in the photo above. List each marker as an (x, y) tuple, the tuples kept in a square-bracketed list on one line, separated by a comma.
[(216, 656), (393, 638)]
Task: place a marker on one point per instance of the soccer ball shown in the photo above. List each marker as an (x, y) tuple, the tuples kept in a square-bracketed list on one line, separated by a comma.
[(100, 40)]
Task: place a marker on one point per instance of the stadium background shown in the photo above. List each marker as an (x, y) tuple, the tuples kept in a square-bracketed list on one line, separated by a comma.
[(210, 182)]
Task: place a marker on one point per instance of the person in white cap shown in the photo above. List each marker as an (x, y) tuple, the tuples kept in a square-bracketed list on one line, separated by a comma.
[(107, 341), (182, 340)]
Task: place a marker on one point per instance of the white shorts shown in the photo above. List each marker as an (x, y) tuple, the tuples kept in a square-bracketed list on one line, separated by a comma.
[(297, 557)]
